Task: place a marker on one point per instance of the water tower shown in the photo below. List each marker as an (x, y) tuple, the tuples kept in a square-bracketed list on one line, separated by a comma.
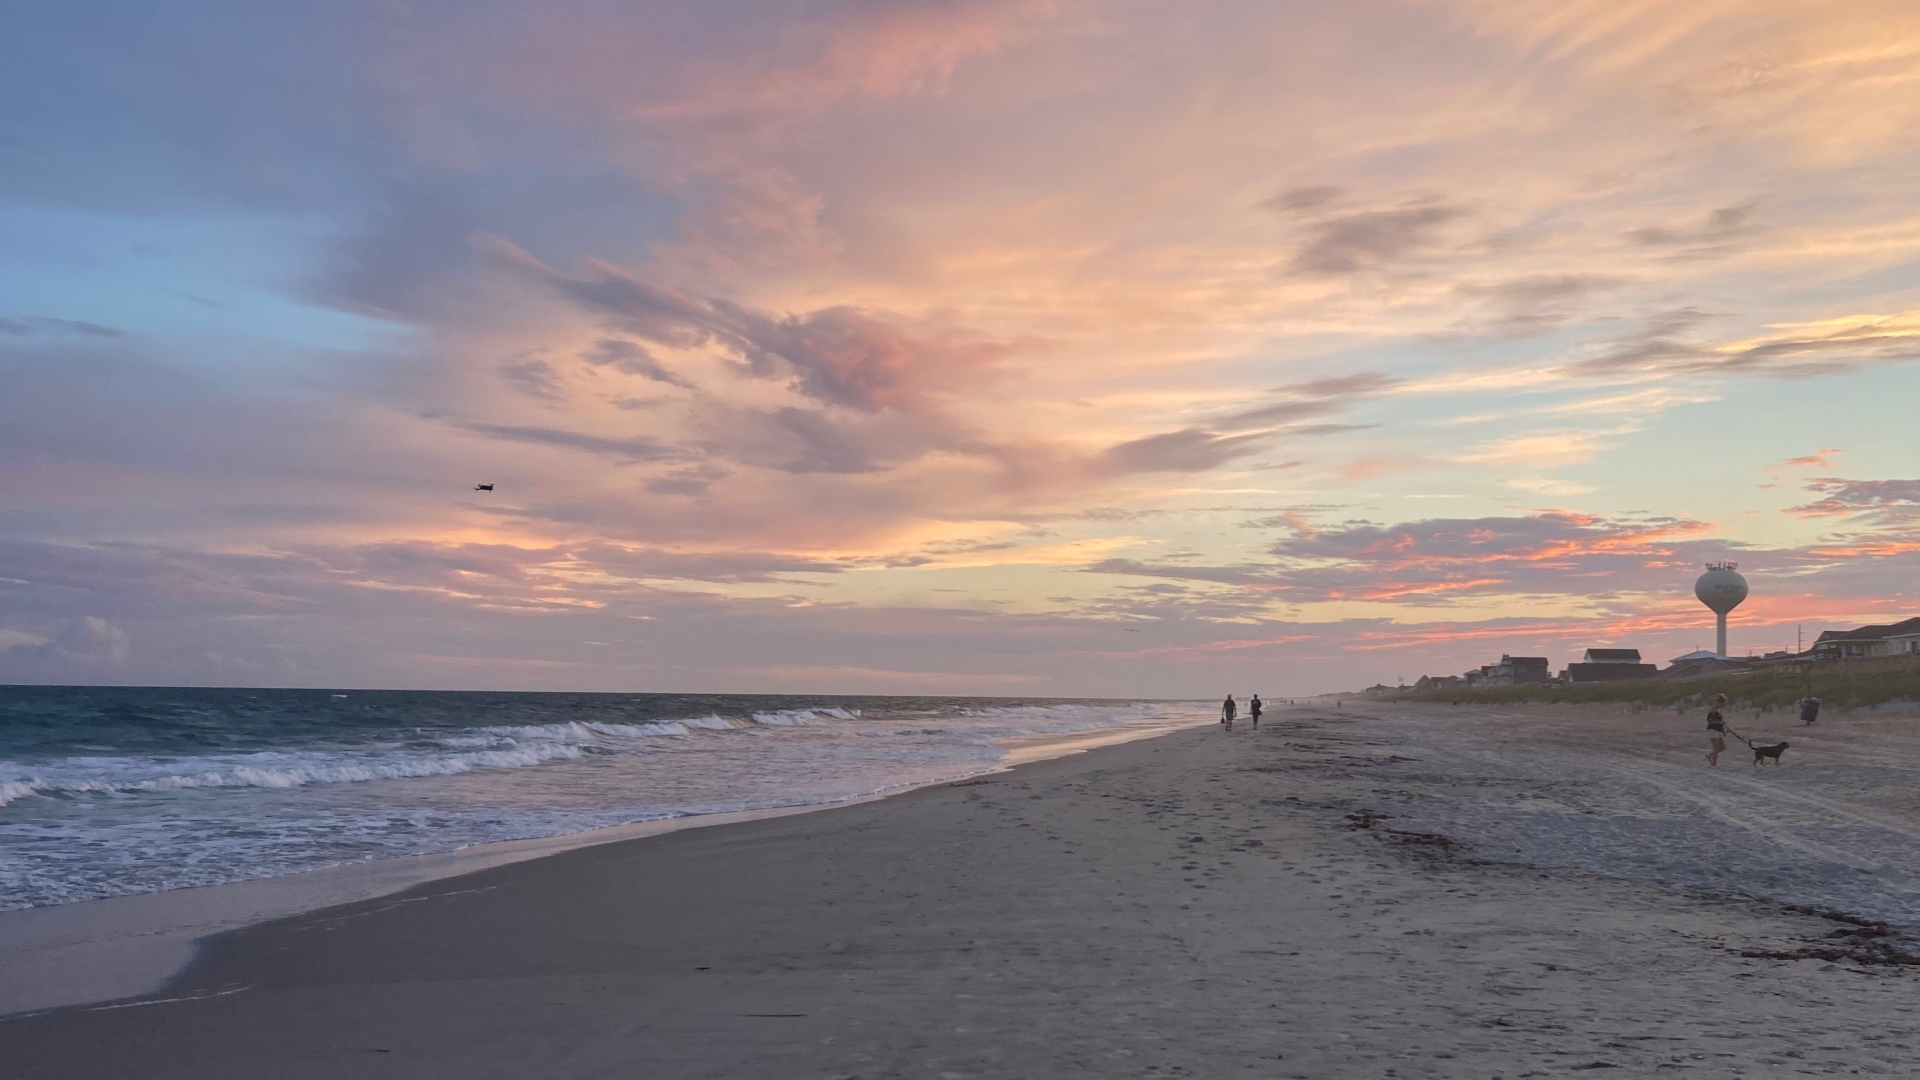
[(1721, 588)]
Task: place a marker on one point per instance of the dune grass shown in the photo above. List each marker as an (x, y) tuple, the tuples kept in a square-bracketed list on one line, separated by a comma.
[(1841, 684)]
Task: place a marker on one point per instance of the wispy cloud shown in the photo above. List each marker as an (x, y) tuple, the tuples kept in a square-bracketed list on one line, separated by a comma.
[(1352, 242), (22, 327), (1819, 459), (1788, 350), (841, 356), (1885, 500)]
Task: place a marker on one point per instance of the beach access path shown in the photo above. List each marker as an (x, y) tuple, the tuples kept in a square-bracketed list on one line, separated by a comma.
[(1200, 904)]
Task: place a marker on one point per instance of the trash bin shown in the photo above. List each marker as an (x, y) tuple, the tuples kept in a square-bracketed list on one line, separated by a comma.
[(1809, 709)]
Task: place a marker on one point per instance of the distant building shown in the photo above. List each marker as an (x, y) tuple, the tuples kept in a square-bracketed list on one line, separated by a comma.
[(1526, 669), (1610, 656), (1440, 682), (1591, 673), (1512, 671), (1865, 641), (1600, 665), (1704, 662)]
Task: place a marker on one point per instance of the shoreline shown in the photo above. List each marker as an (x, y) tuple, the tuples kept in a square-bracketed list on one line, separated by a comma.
[(95, 951)]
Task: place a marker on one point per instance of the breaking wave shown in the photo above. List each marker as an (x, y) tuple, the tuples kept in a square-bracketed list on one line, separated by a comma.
[(500, 746), (133, 775), (162, 789)]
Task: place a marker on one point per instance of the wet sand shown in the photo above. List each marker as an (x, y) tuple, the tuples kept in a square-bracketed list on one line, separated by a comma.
[(1200, 904)]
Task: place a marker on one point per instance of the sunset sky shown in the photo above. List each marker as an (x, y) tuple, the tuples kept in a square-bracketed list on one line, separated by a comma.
[(1083, 347)]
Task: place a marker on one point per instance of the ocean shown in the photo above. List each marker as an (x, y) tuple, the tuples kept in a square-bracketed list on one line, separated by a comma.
[(112, 790)]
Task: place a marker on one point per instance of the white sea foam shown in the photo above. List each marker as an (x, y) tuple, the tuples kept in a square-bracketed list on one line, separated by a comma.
[(637, 731), (785, 717), (795, 717), (492, 747), (16, 789), (1062, 719), (589, 731), (120, 775), (571, 731)]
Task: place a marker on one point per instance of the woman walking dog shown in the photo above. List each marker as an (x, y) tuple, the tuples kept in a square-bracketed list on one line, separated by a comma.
[(1716, 729)]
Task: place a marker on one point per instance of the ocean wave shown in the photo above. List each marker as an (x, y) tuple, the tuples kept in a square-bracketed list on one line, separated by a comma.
[(83, 776), (500, 746), (588, 731), (282, 847), (1015, 721), (793, 717), (16, 789), (106, 819), (514, 746)]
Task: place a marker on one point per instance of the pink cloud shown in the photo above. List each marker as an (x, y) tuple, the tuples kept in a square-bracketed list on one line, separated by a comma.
[(1819, 459), (1888, 501), (880, 52)]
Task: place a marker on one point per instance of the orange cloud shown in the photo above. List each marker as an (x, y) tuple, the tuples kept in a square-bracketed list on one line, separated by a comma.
[(1819, 459)]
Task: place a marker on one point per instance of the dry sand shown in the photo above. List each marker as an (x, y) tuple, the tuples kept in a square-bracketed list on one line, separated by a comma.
[(1201, 904)]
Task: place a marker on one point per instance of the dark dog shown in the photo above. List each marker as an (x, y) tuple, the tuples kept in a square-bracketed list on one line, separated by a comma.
[(1774, 751)]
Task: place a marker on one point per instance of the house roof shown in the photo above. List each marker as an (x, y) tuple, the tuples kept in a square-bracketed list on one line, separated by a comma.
[(1871, 633), (1697, 654), (1614, 654)]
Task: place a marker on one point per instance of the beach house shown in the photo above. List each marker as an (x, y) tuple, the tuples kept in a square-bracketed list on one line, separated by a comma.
[(1889, 639), (1512, 671), (1600, 665)]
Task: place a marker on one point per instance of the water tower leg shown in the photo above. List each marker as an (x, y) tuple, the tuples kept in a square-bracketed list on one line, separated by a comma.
[(1720, 624)]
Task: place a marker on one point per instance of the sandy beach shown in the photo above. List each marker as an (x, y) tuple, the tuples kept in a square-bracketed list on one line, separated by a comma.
[(1341, 893)]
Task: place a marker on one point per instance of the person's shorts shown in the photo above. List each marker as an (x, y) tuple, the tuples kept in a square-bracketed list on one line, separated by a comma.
[(1717, 739)]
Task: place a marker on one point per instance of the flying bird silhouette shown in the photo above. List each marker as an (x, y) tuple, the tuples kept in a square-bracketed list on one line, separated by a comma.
[(483, 487)]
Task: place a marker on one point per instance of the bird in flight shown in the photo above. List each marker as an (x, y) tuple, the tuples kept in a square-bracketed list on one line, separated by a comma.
[(483, 487)]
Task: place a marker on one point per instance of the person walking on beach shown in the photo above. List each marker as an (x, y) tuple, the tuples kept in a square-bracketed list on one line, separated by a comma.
[(1253, 710), (1716, 729), (1227, 709)]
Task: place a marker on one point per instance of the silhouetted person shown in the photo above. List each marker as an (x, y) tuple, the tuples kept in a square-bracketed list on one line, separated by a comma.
[(1716, 730), (1227, 711), (1253, 709)]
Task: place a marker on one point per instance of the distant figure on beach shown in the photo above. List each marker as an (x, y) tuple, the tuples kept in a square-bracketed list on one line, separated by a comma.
[(1716, 729), (1253, 709), (1227, 710)]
